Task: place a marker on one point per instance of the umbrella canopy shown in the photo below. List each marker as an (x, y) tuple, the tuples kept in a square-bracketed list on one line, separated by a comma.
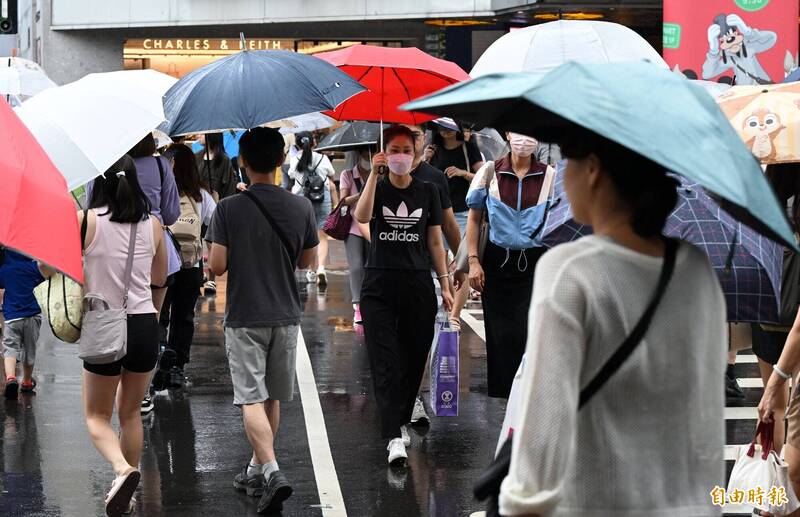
[(350, 136), (767, 118), (37, 214), (150, 80), (490, 143), (251, 88), (393, 76), (792, 77), (747, 264), (542, 48), (21, 77), (88, 125), (298, 124), (642, 107)]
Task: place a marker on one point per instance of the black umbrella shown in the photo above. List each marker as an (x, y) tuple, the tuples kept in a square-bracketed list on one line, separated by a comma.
[(351, 136), (252, 88)]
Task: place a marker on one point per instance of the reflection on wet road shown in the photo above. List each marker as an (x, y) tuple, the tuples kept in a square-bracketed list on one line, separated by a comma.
[(194, 440)]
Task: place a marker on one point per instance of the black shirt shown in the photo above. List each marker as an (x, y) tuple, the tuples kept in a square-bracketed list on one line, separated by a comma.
[(425, 172), (399, 226), (459, 186)]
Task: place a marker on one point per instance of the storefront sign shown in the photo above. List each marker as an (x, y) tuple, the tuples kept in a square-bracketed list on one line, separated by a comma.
[(745, 41), (207, 44)]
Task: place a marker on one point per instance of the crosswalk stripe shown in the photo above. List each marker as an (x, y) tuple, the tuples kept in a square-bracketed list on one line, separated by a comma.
[(330, 493), (746, 359)]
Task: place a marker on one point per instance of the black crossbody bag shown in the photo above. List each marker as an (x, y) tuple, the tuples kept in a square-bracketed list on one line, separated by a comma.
[(487, 486)]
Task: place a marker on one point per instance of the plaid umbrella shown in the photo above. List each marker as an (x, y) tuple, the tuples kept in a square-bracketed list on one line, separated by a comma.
[(748, 265)]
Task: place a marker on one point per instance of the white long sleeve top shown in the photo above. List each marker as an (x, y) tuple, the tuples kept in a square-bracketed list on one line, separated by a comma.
[(650, 443)]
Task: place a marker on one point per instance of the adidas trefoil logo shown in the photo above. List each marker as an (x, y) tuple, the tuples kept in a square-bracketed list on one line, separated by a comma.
[(402, 219)]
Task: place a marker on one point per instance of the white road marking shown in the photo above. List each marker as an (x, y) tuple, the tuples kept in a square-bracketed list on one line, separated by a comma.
[(746, 359), (751, 382), (330, 493), (476, 325)]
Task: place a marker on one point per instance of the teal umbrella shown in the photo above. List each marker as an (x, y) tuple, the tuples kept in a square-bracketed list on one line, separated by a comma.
[(654, 112)]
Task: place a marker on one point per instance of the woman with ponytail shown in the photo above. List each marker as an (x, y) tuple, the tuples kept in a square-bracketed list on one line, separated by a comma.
[(660, 415), (117, 206)]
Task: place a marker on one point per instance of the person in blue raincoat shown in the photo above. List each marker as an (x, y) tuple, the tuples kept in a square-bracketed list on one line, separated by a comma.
[(514, 191)]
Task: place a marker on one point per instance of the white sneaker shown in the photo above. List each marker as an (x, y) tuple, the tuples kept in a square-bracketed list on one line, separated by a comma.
[(419, 416), (397, 452), (406, 437), (311, 276)]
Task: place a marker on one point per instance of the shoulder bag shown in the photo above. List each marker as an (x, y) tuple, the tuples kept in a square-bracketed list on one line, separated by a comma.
[(61, 300), (462, 255), (104, 338), (337, 224), (487, 486)]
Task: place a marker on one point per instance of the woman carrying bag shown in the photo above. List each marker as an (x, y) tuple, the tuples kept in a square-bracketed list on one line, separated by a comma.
[(356, 245), (119, 220), (650, 441), (397, 297), (513, 195)]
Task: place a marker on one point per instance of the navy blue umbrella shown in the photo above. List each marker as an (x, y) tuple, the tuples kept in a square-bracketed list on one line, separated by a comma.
[(748, 265), (251, 88)]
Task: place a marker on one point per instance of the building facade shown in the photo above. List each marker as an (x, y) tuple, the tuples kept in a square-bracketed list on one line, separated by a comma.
[(71, 38)]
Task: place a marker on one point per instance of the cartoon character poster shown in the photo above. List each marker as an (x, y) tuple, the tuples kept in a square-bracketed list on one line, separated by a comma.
[(747, 42)]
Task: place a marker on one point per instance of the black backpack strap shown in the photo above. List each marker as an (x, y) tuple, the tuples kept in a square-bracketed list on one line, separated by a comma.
[(359, 184), (284, 241), (160, 168), (629, 345)]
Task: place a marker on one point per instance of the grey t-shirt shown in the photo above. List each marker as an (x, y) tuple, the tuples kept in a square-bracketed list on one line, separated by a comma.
[(261, 289)]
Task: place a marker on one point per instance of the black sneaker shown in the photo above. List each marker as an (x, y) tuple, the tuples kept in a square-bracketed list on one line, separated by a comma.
[(732, 389), (11, 389), (276, 491), (177, 379), (253, 485), (161, 378)]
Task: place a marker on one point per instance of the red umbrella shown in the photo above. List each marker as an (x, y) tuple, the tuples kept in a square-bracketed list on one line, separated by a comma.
[(393, 76), (37, 214)]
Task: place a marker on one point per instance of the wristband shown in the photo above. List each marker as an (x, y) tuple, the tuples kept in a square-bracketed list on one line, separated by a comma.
[(442, 276), (470, 257), (783, 375)]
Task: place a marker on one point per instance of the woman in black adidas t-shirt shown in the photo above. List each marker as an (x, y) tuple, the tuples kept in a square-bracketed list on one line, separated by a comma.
[(398, 301)]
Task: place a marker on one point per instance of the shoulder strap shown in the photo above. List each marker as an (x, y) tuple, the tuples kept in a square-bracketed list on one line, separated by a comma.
[(284, 241), (632, 341), (160, 169), (84, 228), (129, 264), (466, 157), (358, 183)]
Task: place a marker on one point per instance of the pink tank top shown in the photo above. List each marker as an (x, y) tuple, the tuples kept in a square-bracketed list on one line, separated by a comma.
[(104, 264)]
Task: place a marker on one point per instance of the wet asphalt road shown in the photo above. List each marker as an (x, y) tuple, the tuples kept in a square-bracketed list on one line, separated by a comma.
[(195, 443)]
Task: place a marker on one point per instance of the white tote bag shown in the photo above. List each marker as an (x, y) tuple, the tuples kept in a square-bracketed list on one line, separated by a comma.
[(762, 477)]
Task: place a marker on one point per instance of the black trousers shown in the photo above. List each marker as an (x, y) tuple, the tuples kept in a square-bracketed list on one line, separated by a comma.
[(399, 311), (506, 302), (178, 312)]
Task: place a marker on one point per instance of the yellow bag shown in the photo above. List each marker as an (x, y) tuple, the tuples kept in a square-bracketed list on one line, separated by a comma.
[(61, 301)]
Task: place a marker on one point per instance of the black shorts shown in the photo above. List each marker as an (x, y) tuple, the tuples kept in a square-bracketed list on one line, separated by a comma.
[(767, 344), (142, 353)]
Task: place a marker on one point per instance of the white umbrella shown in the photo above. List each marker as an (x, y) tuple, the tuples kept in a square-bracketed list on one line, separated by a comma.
[(21, 77), (151, 80), (88, 125), (541, 48), (300, 123)]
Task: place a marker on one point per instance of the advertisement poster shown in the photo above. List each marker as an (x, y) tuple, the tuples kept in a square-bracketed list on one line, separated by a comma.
[(747, 42)]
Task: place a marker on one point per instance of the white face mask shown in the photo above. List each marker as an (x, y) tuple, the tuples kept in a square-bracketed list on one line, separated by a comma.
[(400, 163), (364, 164), (522, 145)]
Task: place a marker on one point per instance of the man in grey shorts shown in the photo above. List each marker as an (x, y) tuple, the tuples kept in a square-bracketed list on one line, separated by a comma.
[(259, 238)]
